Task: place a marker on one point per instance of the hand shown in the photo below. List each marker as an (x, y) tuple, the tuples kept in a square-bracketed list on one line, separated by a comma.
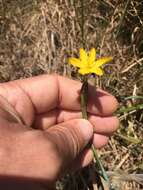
[(50, 104)]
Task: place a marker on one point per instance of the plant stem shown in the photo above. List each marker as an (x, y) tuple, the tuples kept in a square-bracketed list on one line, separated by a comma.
[(103, 172), (84, 100)]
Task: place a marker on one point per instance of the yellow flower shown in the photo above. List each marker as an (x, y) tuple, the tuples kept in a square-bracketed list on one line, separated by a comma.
[(87, 62)]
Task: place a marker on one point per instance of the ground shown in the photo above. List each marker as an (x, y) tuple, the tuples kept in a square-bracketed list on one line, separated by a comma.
[(37, 37)]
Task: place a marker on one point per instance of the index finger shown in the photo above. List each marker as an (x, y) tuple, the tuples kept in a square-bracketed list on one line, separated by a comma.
[(48, 92)]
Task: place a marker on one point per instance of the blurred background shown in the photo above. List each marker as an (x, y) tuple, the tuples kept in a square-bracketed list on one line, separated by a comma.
[(38, 36)]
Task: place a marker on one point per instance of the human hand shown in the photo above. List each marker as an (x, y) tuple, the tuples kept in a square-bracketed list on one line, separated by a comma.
[(51, 105)]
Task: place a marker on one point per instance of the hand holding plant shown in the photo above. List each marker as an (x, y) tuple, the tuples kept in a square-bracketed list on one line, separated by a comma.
[(87, 65)]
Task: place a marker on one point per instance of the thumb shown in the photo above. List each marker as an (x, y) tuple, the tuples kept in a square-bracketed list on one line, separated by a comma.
[(68, 139)]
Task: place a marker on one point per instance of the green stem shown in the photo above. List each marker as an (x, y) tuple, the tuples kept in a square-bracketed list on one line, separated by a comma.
[(84, 100), (103, 172), (84, 97), (129, 109)]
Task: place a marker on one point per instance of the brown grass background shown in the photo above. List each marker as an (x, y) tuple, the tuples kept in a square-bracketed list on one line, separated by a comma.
[(37, 36)]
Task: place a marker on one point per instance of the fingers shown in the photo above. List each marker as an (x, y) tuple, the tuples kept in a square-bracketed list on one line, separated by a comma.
[(104, 125), (69, 139), (99, 140), (86, 156), (47, 92), (101, 125), (99, 102)]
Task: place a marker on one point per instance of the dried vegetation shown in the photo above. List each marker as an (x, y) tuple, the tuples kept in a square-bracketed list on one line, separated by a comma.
[(37, 37)]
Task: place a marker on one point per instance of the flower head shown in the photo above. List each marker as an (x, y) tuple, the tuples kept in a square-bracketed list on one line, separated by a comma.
[(87, 62)]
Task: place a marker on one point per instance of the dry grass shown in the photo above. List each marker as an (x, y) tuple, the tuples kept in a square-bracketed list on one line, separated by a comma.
[(37, 37)]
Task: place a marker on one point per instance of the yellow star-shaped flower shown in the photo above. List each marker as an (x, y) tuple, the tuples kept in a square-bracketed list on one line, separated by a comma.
[(87, 62)]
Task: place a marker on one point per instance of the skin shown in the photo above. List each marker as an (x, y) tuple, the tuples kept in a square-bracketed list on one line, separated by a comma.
[(55, 138)]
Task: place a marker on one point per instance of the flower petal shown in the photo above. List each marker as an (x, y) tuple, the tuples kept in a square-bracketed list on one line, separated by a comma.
[(92, 56), (75, 62), (97, 71), (102, 61), (83, 57), (84, 71)]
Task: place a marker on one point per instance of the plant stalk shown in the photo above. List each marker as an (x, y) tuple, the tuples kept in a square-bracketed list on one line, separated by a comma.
[(84, 100)]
